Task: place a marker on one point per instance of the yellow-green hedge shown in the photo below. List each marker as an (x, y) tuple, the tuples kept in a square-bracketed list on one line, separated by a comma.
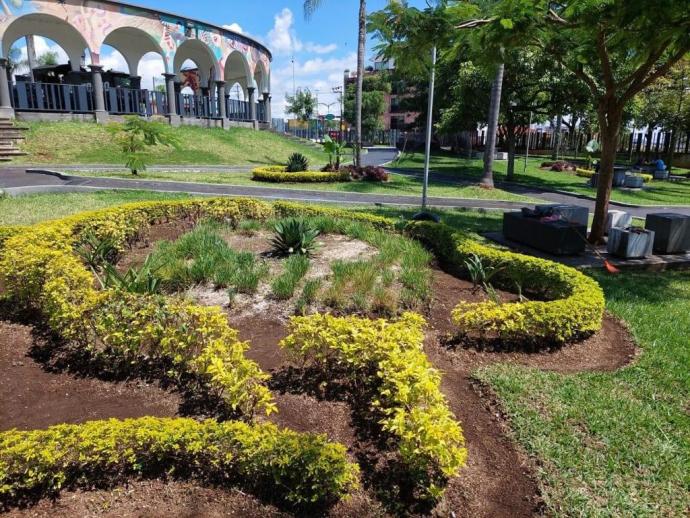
[(414, 410), (587, 173), (299, 468), (570, 305), (277, 174), (39, 270), (286, 209)]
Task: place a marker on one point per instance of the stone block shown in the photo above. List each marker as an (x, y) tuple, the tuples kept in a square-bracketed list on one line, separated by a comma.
[(618, 219), (672, 232), (555, 237), (572, 213), (630, 244)]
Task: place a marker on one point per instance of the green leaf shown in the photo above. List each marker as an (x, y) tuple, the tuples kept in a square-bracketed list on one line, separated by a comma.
[(506, 23)]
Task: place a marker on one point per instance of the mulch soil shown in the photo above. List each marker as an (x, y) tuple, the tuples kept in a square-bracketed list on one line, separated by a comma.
[(498, 480)]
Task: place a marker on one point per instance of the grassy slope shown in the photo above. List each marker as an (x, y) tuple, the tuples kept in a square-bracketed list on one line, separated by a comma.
[(656, 193), (88, 143), (399, 185)]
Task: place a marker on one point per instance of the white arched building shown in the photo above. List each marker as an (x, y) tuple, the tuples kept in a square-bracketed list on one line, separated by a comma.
[(223, 59)]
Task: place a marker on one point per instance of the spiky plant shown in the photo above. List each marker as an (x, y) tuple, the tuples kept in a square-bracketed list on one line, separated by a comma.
[(294, 236), (297, 163)]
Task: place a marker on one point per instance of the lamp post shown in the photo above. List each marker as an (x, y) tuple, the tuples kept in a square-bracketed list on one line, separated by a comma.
[(339, 90)]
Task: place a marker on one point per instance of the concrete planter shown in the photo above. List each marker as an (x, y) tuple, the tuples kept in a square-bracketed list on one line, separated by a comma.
[(555, 237), (672, 232), (634, 182), (617, 219), (630, 244), (619, 177), (661, 175)]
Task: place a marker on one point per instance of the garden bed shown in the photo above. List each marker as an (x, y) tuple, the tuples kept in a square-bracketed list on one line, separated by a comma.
[(497, 480)]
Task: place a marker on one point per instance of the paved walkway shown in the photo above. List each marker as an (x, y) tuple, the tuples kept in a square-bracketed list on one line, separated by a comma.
[(15, 180)]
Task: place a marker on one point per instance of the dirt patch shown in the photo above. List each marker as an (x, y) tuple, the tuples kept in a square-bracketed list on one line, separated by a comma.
[(31, 397), (136, 254), (153, 499)]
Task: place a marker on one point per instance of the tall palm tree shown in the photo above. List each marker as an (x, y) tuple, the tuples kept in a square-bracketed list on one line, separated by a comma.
[(490, 147), (310, 6)]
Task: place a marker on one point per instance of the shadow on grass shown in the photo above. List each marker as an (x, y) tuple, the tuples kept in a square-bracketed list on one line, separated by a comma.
[(649, 287)]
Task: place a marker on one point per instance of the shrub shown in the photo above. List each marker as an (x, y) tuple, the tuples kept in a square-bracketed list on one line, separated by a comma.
[(296, 163), (283, 286), (562, 166), (287, 209), (408, 394), (571, 305), (368, 173), (39, 270), (301, 469), (584, 173), (264, 174), (294, 236)]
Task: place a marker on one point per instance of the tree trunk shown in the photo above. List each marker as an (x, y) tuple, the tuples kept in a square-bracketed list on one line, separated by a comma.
[(609, 123), (648, 144), (510, 138), (557, 137), (31, 55), (361, 47), (672, 148), (490, 148)]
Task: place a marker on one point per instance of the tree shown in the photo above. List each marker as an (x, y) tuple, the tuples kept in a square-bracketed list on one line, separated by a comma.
[(617, 48), (136, 135), (48, 58), (374, 90), (302, 105), (310, 6), (487, 179)]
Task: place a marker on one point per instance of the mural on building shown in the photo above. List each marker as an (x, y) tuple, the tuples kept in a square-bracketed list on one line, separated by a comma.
[(88, 24)]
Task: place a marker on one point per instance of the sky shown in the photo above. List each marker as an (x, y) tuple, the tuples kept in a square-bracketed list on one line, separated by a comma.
[(323, 46)]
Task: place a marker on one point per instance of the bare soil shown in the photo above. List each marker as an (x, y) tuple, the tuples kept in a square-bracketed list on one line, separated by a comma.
[(498, 480)]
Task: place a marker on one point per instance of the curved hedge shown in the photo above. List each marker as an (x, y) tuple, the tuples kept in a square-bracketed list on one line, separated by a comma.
[(572, 304), (414, 410), (299, 468), (277, 174)]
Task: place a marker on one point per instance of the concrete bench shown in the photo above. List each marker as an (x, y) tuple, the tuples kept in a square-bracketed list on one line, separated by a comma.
[(557, 237), (672, 232)]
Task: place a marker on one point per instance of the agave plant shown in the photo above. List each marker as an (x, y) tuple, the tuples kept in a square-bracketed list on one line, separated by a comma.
[(294, 236), (142, 280), (297, 163)]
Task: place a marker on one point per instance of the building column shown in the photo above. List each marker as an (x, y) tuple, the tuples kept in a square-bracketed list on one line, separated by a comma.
[(267, 108), (252, 106), (6, 110), (172, 115), (222, 107), (98, 96)]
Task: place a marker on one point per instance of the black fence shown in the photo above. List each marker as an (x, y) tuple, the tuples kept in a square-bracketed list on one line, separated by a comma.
[(64, 98)]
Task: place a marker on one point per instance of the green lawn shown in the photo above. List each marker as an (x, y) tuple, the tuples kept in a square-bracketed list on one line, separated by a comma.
[(655, 193), (90, 143), (398, 185), (34, 208), (614, 444)]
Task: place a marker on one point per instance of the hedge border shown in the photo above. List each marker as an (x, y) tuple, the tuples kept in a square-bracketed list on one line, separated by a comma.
[(572, 307), (302, 469), (415, 412), (277, 174)]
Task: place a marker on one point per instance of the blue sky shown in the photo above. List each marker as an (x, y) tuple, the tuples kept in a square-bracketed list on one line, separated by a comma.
[(323, 47)]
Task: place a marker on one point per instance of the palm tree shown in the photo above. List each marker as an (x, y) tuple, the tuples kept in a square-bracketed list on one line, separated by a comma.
[(310, 6), (490, 148)]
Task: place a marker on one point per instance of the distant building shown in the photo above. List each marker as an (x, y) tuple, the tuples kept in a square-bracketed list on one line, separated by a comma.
[(394, 116)]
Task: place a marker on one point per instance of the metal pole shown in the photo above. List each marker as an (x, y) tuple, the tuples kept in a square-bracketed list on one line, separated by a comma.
[(429, 121), (529, 138)]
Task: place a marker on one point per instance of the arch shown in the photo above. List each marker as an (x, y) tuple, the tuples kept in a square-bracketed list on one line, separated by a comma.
[(261, 78), (133, 43), (237, 71), (48, 26), (197, 51), (236, 91)]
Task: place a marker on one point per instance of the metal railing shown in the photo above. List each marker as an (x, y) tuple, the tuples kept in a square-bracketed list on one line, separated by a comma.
[(66, 98), (51, 97)]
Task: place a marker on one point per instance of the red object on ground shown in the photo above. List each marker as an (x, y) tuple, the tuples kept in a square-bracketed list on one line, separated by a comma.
[(610, 268)]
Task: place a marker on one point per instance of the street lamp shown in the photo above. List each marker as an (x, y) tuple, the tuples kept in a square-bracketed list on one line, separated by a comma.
[(339, 90)]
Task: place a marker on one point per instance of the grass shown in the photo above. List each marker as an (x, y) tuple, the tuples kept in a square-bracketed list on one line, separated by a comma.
[(296, 267), (90, 143), (34, 208), (398, 184), (655, 193), (614, 444), (202, 256)]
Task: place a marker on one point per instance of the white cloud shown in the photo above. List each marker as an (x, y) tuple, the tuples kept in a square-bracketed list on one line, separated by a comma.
[(235, 27), (320, 49), (282, 38)]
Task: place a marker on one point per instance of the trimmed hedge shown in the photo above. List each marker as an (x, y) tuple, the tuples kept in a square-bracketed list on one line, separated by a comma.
[(40, 271), (286, 209), (299, 468), (278, 174), (572, 304), (414, 410)]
